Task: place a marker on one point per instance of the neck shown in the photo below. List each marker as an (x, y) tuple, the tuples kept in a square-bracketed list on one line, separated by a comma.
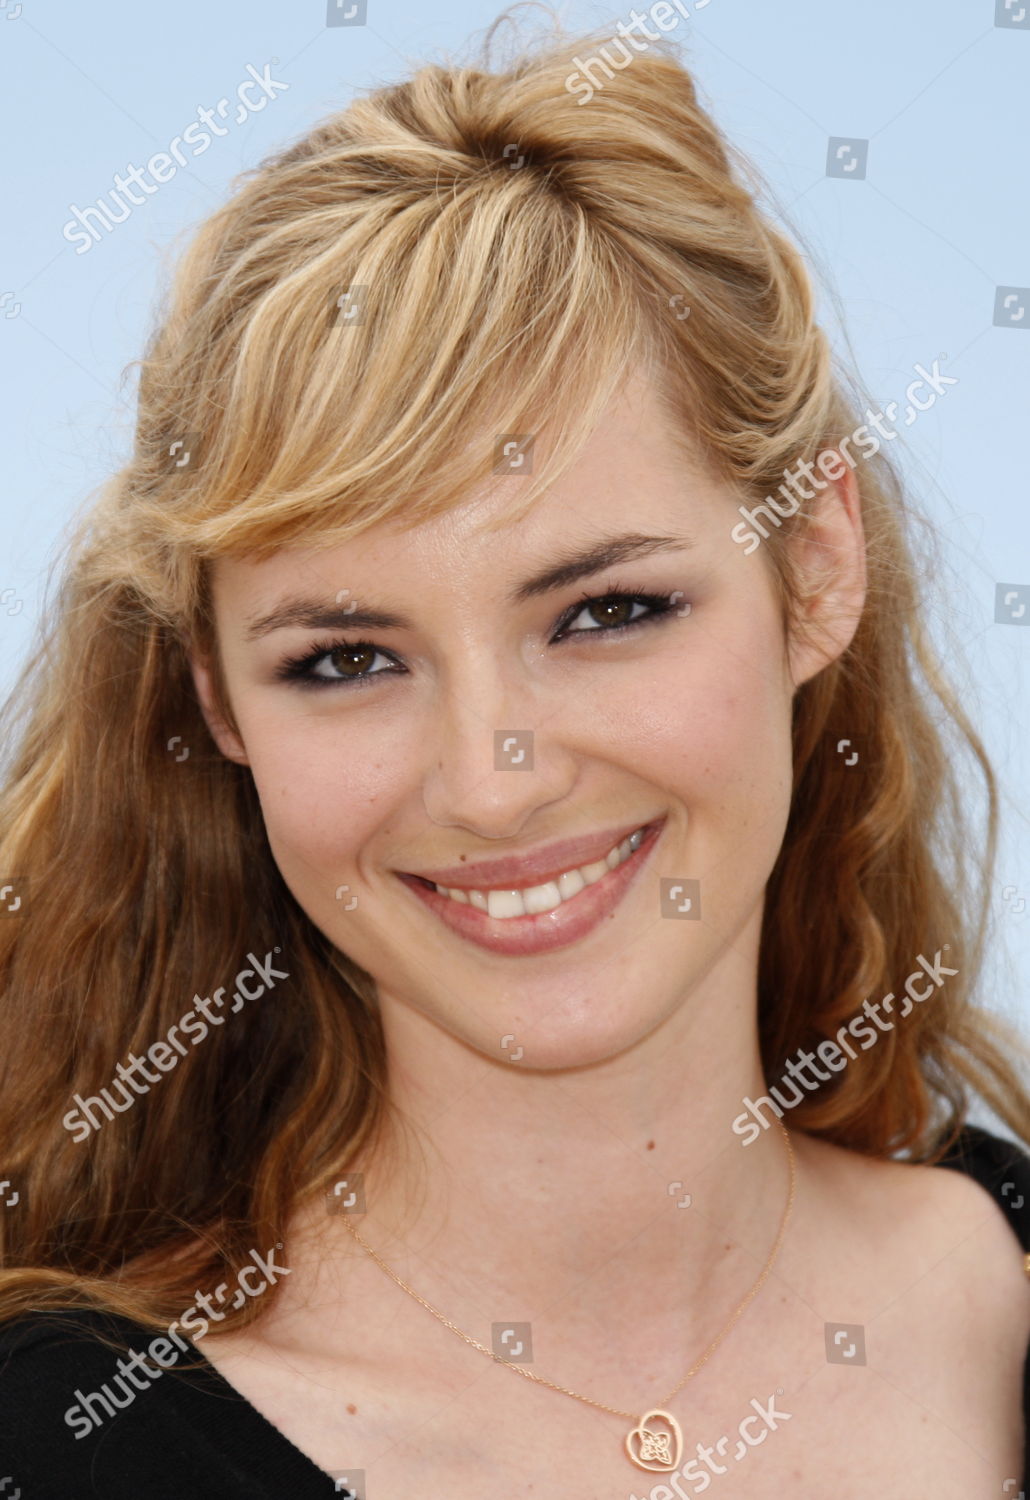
[(610, 1206)]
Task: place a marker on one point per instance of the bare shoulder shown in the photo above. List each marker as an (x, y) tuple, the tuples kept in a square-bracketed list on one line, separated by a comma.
[(943, 1225)]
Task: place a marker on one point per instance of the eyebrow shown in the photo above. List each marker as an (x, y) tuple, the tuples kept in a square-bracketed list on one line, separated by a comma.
[(322, 614)]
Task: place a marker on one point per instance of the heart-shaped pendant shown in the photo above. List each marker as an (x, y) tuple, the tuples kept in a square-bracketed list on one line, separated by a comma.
[(651, 1448)]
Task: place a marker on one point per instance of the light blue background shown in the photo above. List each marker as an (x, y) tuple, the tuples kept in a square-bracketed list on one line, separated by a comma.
[(915, 252)]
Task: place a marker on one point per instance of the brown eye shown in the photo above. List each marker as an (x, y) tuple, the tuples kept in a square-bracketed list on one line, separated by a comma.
[(613, 612), (351, 661), (616, 610), (337, 662), (610, 612)]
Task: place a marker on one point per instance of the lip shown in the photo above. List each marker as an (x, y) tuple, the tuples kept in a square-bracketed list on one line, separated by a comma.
[(518, 872), (540, 932)]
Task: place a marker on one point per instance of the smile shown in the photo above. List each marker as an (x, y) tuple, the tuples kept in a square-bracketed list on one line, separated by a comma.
[(538, 918), (511, 902)]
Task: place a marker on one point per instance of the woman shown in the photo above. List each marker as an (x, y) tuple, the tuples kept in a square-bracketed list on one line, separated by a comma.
[(492, 864)]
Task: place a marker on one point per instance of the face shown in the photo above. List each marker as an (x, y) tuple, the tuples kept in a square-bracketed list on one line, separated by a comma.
[(483, 723)]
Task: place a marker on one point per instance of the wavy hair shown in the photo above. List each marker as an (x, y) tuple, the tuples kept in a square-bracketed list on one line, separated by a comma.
[(512, 251)]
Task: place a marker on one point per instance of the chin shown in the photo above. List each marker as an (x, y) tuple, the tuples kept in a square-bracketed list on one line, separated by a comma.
[(573, 1036)]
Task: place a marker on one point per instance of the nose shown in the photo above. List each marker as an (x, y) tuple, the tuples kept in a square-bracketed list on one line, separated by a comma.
[(496, 757)]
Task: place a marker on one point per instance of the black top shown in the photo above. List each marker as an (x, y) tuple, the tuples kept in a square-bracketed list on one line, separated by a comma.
[(194, 1437)]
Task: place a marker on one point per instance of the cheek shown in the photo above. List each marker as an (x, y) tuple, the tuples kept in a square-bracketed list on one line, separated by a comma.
[(714, 733), (710, 719), (323, 794)]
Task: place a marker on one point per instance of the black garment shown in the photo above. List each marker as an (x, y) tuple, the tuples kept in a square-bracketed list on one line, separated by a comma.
[(191, 1436)]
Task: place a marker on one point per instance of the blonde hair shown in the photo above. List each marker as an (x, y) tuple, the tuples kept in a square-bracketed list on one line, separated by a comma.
[(502, 288)]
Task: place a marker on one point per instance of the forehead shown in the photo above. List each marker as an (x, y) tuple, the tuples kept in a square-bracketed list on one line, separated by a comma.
[(636, 473)]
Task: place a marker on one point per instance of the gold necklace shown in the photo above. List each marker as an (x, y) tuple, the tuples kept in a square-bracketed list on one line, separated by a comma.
[(647, 1446)]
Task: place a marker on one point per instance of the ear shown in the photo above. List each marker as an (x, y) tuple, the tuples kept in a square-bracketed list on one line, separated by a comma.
[(830, 559), (224, 736)]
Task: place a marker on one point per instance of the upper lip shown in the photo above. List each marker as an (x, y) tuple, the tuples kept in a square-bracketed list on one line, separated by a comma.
[(516, 871)]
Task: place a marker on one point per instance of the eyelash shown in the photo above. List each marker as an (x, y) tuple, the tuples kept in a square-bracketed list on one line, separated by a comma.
[(299, 669)]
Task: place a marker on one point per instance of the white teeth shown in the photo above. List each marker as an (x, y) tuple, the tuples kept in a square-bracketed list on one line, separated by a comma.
[(533, 899), (504, 904), (539, 898)]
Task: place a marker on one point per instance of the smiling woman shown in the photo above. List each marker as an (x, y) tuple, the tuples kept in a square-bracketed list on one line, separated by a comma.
[(438, 676)]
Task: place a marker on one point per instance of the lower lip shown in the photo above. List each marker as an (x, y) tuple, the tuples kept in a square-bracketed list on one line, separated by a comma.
[(540, 932)]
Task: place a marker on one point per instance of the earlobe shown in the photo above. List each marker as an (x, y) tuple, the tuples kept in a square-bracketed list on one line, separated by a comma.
[(224, 736)]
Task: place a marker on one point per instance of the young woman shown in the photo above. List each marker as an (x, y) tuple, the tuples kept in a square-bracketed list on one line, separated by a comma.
[(494, 926)]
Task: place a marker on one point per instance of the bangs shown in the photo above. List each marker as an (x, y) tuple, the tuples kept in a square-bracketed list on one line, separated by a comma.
[(476, 317)]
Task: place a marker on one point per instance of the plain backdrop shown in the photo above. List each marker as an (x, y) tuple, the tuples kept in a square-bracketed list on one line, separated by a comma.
[(912, 255)]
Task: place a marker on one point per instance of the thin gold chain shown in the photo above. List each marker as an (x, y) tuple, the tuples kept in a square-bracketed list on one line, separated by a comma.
[(520, 1370)]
